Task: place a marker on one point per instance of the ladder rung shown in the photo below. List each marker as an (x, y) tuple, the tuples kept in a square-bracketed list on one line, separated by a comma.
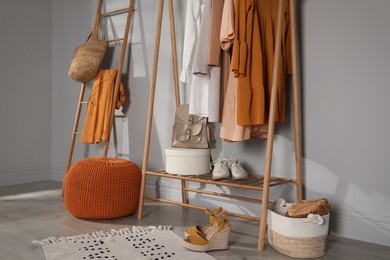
[(118, 11), (78, 133), (116, 40), (83, 102)]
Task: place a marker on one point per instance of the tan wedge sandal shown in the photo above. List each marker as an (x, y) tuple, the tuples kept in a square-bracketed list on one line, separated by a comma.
[(201, 228), (215, 238)]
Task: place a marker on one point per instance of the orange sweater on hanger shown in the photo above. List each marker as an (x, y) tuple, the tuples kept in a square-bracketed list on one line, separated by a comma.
[(100, 107)]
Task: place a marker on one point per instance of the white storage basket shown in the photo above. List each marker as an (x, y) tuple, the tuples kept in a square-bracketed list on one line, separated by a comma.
[(183, 161), (296, 237)]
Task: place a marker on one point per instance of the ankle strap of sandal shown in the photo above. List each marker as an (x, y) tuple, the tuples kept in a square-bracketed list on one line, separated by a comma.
[(213, 214), (220, 220)]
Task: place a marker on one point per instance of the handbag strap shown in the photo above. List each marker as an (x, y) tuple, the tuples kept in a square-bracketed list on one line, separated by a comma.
[(96, 27), (89, 36), (94, 34), (113, 30)]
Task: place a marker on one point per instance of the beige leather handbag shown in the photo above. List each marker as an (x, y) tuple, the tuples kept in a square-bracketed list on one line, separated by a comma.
[(192, 131)]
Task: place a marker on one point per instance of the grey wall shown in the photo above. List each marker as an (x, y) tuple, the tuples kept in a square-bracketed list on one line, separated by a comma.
[(25, 91), (71, 23), (344, 66)]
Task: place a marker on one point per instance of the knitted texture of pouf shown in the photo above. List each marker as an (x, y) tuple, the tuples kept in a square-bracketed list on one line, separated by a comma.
[(102, 188)]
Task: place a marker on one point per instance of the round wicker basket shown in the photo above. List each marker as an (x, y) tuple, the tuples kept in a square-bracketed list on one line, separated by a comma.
[(296, 237)]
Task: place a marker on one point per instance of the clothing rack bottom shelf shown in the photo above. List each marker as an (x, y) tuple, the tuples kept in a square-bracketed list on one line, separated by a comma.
[(252, 183)]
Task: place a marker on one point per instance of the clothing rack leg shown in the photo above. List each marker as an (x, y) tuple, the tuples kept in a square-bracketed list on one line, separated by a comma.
[(150, 109), (271, 129), (295, 92), (184, 198), (174, 52), (175, 75)]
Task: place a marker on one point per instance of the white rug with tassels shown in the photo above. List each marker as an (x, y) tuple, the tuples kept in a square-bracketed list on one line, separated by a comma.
[(151, 242)]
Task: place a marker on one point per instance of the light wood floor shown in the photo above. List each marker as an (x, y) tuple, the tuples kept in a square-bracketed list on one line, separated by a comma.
[(36, 211)]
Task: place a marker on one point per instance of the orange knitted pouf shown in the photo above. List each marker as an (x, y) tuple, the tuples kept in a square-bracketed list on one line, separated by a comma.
[(102, 188)]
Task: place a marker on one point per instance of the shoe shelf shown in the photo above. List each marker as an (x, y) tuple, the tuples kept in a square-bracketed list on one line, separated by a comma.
[(253, 182)]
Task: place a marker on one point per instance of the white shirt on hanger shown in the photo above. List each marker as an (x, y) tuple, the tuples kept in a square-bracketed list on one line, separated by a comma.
[(191, 35)]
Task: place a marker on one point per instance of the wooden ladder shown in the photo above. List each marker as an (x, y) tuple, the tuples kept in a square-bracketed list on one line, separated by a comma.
[(99, 15), (260, 183)]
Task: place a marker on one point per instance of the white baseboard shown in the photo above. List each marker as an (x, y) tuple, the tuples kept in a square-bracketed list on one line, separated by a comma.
[(344, 223), (361, 226), (24, 175)]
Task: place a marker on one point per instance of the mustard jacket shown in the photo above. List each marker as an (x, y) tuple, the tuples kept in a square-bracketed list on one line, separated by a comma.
[(100, 107)]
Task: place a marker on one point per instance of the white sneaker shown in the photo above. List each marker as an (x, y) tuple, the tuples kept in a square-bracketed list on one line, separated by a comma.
[(221, 169), (238, 172)]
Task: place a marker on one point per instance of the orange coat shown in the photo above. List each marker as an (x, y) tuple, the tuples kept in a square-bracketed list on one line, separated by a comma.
[(230, 131), (247, 65), (267, 14), (100, 107)]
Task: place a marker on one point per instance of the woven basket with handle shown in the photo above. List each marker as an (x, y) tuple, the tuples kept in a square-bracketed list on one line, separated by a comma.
[(88, 57), (296, 237)]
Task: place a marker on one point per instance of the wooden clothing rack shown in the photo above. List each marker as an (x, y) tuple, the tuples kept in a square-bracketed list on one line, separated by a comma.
[(256, 182), (99, 14)]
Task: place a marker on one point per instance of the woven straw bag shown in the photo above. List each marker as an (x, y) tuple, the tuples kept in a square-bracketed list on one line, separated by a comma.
[(88, 57), (296, 237)]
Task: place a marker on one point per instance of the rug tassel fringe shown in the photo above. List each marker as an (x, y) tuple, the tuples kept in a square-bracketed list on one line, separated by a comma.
[(101, 234)]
